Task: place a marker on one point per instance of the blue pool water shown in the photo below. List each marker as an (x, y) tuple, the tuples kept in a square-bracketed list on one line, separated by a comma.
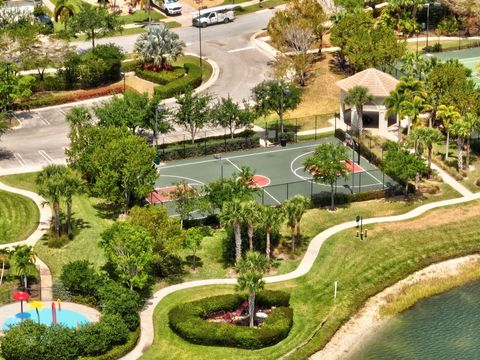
[(67, 318)]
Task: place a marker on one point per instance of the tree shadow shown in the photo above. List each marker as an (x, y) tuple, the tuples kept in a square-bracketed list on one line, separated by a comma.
[(189, 261), (106, 210), (5, 154)]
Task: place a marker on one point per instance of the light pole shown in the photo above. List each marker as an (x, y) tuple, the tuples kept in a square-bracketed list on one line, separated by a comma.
[(159, 109), (361, 234), (219, 157), (200, 36), (436, 4), (283, 92)]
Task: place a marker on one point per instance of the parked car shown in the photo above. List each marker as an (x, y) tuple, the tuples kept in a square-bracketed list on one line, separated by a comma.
[(213, 15), (170, 7)]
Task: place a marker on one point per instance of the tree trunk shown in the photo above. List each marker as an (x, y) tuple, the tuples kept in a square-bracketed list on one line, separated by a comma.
[(406, 190), (399, 128), (447, 144), (238, 240), (293, 237), (460, 154), (3, 272), (417, 180), (332, 198), (25, 279), (299, 233), (467, 157), (267, 243), (429, 158), (250, 236), (251, 307), (69, 216), (93, 39), (56, 214), (127, 202)]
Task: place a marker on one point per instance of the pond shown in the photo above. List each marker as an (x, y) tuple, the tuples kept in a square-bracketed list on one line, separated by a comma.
[(446, 326)]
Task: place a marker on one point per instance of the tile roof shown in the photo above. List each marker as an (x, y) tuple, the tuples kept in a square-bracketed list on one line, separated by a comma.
[(378, 83)]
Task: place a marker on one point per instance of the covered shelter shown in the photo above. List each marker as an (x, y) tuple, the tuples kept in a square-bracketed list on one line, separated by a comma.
[(379, 85)]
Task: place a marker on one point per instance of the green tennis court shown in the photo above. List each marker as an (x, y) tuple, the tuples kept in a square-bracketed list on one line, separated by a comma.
[(279, 173), (468, 57)]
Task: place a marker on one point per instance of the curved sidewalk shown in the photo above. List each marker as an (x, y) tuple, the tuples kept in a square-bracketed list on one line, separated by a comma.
[(146, 316), (43, 226)]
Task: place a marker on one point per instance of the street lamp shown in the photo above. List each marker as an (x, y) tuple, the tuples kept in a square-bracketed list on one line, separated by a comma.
[(219, 157), (362, 233), (200, 36), (284, 92), (436, 4), (158, 110)]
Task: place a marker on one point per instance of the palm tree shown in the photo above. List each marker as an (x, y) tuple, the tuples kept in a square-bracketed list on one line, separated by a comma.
[(159, 45), (251, 217), (461, 130), (251, 269), (473, 124), (291, 215), (78, 117), (412, 108), (64, 10), (294, 210), (4, 256), (50, 185), (302, 206), (428, 137), (272, 218), (357, 97), (448, 115), (22, 262), (394, 106), (231, 214), (72, 185)]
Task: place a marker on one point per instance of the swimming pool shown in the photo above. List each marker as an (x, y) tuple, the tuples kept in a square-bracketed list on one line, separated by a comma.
[(65, 317)]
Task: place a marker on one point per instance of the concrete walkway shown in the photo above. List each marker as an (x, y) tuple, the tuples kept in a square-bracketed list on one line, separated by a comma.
[(146, 316), (43, 226)]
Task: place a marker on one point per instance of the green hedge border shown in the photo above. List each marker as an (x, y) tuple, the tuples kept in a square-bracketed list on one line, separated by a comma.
[(188, 321), (192, 80), (118, 351)]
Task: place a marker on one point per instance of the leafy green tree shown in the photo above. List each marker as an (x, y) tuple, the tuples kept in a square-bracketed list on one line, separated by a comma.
[(50, 184), (159, 45), (167, 236), (326, 164), (357, 97), (13, 86), (251, 269), (229, 114), (80, 278), (129, 248), (275, 96), (449, 115), (193, 112), (272, 218), (251, 217), (22, 263), (186, 200), (402, 164), (232, 215), (294, 209), (193, 242), (95, 22), (428, 137), (130, 110)]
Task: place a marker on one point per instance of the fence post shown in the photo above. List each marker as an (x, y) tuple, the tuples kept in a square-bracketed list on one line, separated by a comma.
[(383, 173), (311, 190), (184, 146), (287, 191), (296, 130), (164, 148), (225, 139), (205, 144), (276, 131), (316, 127)]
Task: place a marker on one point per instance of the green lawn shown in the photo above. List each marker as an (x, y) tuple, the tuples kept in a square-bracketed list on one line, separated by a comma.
[(20, 215), (252, 8), (446, 44), (91, 223), (141, 16), (362, 269), (206, 67)]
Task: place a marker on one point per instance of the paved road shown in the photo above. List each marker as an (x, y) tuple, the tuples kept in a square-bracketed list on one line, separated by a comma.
[(42, 139)]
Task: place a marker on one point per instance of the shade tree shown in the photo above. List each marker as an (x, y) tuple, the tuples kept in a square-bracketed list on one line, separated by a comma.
[(232, 115)]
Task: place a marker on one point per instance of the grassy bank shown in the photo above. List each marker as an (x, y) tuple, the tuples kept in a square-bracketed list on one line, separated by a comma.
[(19, 215)]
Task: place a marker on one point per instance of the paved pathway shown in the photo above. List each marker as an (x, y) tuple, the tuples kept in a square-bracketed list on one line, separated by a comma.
[(43, 226), (146, 316)]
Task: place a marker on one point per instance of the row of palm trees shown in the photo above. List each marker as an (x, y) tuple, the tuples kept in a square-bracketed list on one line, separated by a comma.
[(21, 261), (57, 184), (240, 212)]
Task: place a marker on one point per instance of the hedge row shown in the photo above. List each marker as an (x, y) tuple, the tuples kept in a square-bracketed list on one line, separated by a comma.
[(192, 79), (188, 321), (162, 78), (321, 200), (133, 65), (57, 99), (202, 148), (118, 351)]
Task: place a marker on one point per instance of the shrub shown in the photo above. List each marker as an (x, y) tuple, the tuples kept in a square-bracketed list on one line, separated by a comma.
[(192, 79), (57, 242), (128, 66), (117, 299), (188, 321), (50, 83), (117, 351), (80, 278), (163, 77)]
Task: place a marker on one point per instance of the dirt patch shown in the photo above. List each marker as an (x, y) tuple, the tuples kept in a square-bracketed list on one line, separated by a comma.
[(140, 85)]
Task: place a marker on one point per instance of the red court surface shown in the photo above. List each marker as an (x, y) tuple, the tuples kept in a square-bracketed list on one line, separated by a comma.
[(259, 181), (353, 166), (161, 195)]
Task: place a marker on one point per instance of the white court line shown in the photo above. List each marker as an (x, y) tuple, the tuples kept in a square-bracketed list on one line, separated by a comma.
[(310, 179), (46, 156), (241, 156), (265, 191), (184, 178), (241, 49), (20, 159)]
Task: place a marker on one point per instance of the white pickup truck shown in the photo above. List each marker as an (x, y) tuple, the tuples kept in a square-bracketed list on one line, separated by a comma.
[(170, 7), (213, 15)]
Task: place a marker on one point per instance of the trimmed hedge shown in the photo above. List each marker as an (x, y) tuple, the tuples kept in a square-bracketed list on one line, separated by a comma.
[(128, 66), (202, 148), (117, 351), (188, 321), (163, 77), (192, 79)]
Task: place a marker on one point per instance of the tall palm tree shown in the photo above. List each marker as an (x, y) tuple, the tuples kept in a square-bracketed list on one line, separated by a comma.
[(291, 216), (22, 262), (272, 218), (78, 117), (251, 269), (64, 10), (448, 115), (232, 214), (428, 137), (72, 185), (251, 217), (461, 130), (472, 122), (4, 257), (394, 106), (302, 206), (294, 210), (412, 108), (50, 185), (159, 45), (357, 97)]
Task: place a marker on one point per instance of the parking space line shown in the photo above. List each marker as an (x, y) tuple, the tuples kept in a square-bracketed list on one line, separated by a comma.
[(42, 119), (241, 49), (20, 159), (61, 111), (46, 156)]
